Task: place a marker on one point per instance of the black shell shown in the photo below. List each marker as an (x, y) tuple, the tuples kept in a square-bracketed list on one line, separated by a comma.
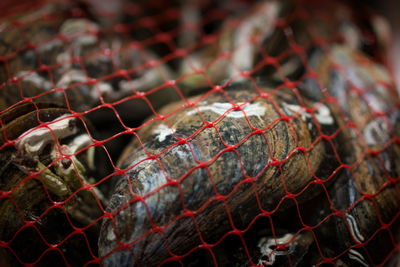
[(223, 159), (209, 170), (366, 191), (28, 215)]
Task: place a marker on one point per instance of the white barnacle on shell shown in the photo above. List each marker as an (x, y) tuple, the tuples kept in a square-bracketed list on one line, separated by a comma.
[(221, 108), (79, 142), (267, 245), (322, 114), (34, 78), (291, 109), (71, 76), (103, 90), (260, 24), (376, 132), (162, 131), (33, 141)]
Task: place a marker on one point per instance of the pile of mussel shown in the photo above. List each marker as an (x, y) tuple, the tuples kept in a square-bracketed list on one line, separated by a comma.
[(197, 133)]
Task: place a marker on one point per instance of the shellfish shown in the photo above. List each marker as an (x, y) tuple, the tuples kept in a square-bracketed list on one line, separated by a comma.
[(172, 186), (47, 201), (70, 60), (237, 47), (366, 193), (209, 168)]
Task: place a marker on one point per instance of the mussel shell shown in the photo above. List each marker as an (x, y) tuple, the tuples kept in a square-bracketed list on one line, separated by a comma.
[(54, 59), (366, 192), (19, 119), (244, 36), (72, 61), (223, 167), (29, 213)]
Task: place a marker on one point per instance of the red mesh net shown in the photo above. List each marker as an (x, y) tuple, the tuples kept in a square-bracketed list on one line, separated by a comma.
[(197, 133)]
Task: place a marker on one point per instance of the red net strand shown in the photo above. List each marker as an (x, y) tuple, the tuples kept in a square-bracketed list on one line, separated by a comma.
[(197, 133)]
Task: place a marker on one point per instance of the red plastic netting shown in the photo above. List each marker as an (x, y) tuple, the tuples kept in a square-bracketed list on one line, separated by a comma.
[(197, 133)]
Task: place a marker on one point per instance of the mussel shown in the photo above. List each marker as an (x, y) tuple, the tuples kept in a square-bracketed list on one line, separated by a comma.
[(49, 209), (365, 195), (236, 48), (205, 169), (208, 167), (71, 60), (303, 174)]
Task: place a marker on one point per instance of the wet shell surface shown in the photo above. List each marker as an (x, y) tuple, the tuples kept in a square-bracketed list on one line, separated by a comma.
[(212, 164), (73, 62), (367, 191), (237, 152), (204, 171), (41, 166)]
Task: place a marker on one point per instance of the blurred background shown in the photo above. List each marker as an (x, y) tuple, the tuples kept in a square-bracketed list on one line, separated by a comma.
[(391, 9)]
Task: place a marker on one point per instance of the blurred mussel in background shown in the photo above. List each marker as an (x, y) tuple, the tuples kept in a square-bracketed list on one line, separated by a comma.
[(311, 180), (331, 54)]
